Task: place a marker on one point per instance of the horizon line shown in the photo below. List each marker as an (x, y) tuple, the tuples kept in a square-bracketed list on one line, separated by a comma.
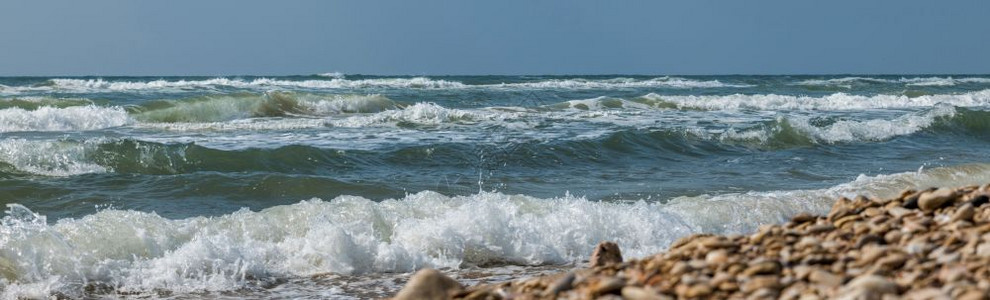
[(326, 74)]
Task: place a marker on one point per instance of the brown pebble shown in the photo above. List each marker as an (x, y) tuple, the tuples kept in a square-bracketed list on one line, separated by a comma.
[(429, 284), (717, 257), (607, 285), (936, 199), (762, 268), (761, 282), (564, 283), (825, 278), (699, 290), (964, 213), (606, 253), (638, 293), (973, 295), (803, 217), (871, 285)]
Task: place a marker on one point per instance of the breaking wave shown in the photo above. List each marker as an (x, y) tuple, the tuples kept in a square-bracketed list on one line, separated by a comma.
[(73, 118), (138, 252), (248, 105)]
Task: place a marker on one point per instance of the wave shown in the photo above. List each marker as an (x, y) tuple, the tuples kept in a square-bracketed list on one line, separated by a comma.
[(335, 75), (420, 114), (139, 252), (868, 130), (834, 102), (96, 85), (73, 118), (32, 103), (338, 81), (546, 148), (48, 158), (666, 81), (248, 105), (849, 82)]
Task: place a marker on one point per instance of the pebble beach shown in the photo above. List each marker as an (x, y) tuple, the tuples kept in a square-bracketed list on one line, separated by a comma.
[(923, 244)]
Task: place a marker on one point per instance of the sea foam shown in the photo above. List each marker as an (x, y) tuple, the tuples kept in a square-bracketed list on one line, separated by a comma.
[(837, 101), (62, 119)]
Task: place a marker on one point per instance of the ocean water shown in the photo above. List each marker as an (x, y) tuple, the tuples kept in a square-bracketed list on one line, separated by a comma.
[(338, 185)]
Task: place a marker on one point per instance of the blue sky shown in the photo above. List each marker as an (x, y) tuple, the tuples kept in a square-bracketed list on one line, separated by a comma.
[(227, 37)]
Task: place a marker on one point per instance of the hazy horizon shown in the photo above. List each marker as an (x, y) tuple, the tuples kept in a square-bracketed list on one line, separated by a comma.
[(226, 38)]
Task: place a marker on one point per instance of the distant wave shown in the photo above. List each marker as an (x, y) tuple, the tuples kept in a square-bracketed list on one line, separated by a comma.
[(666, 82), (146, 253), (848, 82), (94, 85), (837, 101), (338, 81)]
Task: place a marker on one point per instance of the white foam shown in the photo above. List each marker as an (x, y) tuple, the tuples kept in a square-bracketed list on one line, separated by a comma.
[(338, 81), (336, 75), (835, 102), (143, 252), (847, 82), (50, 158), (62, 119), (94, 85), (421, 113), (254, 124), (668, 82), (871, 130), (338, 104)]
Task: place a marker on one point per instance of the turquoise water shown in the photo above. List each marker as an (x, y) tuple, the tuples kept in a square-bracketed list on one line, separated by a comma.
[(209, 185)]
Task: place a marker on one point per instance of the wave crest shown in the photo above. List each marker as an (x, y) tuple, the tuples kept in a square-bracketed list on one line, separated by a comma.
[(248, 105), (72, 118)]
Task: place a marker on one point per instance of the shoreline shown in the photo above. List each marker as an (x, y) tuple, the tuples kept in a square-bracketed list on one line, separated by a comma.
[(927, 244)]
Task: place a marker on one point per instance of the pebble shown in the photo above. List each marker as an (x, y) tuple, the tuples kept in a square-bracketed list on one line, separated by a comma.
[(429, 284), (935, 199), (605, 253)]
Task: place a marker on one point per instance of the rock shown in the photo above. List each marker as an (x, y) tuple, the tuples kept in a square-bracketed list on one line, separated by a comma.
[(936, 199), (899, 212), (638, 293), (964, 213), (429, 284), (973, 295), (716, 243), (761, 282), (825, 278), (763, 268), (892, 261), (607, 285), (606, 253), (980, 199), (563, 284), (926, 294), (816, 229), (869, 286), (803, 218), (867, 239), (699, 290), (717, 257)]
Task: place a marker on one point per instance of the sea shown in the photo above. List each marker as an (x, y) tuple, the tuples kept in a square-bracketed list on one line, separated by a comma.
[(339, 186)]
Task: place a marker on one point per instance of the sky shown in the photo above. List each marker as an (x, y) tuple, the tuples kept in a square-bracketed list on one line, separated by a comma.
[(690, 37)]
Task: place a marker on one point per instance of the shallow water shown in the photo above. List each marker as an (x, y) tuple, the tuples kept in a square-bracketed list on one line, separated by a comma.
[(249, 186)]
